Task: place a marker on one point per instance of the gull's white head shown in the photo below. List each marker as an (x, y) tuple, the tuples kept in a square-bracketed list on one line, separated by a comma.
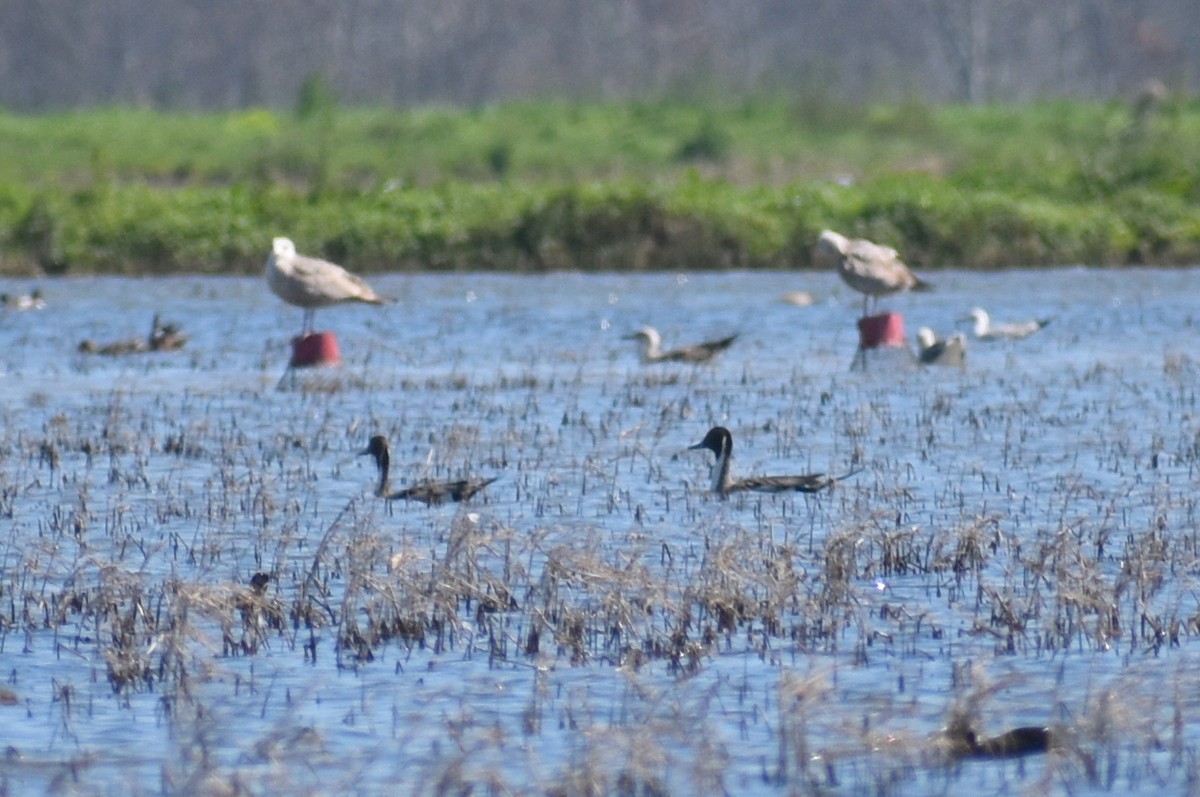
[(830, 245), (925, 337), (651, 340), (283, 247), (983, 322), (648, 334)]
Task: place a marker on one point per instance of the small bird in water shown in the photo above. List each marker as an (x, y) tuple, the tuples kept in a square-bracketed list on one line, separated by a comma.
[(428, 491), (652, 351), (1015, 743), (985, 329), (311, 283), (945, 351), (720, 442), (28, 301), (259, 581), (867, 267), (162, 337)]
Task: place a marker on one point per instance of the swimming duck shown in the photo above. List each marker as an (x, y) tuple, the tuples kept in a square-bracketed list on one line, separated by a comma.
[(720, 442), (428, 491), (311, 283), (652, 351), (1014, 743)]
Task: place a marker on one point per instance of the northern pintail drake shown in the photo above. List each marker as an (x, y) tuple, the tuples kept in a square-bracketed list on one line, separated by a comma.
[(652, 351), (944, 351), (720, 442), (867, 267), (428, 491), (985, 329), (311, 283), (1015, 743)]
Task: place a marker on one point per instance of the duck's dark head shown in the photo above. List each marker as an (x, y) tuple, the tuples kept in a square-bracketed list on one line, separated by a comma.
[(718, 440), (377, 447)]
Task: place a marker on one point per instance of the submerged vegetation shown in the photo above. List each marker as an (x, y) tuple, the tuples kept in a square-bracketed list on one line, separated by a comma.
[(623, 186)]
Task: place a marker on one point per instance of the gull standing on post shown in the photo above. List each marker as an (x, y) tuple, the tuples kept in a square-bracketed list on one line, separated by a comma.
[(986, 330), (700, 353), (311, 283), (720, 442), (868, 268)]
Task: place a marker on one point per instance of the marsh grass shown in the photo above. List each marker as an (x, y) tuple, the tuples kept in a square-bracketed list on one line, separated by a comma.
[(477, 587), (604, 187)]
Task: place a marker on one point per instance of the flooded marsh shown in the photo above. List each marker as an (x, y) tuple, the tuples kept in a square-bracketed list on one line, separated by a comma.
[(1019, 550)]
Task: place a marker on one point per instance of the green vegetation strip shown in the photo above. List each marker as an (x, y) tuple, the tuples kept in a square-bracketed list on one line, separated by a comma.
[(633, 186)]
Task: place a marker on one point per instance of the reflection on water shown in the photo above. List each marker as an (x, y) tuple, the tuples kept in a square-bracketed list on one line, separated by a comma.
[(1020, 542)]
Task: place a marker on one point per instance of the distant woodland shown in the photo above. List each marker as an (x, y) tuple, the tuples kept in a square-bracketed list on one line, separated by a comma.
[(222, 54)]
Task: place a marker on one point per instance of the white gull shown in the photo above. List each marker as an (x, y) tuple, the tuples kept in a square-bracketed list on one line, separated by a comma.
[(312, 283), (867, 267), (985, 329), (652, 351), (946, 351)]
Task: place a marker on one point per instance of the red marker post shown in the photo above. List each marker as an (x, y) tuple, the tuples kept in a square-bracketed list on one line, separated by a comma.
[(885, 330), (882, 331), (315, 349)]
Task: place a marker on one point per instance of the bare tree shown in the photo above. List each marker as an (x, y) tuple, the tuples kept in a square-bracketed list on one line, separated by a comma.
[(233, 53)]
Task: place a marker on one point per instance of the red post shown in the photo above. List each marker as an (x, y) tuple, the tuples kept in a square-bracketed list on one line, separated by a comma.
[(880, 331), (316, 348)]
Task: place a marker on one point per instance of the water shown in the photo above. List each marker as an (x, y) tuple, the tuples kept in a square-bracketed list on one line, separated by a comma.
[(1020, 544)]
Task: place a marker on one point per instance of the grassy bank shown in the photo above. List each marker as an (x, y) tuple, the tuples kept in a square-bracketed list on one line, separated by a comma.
[(606, 187)]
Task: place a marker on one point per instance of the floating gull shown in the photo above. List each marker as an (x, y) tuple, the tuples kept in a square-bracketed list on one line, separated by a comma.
[(429, 492), (720, 442), (311, 283), (986, 330), (947, 351), (701, 352), (27, 301), (868, 268)]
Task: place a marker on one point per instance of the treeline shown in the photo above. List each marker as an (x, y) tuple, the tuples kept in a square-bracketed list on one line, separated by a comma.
[(227, 54), (623, 186)]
